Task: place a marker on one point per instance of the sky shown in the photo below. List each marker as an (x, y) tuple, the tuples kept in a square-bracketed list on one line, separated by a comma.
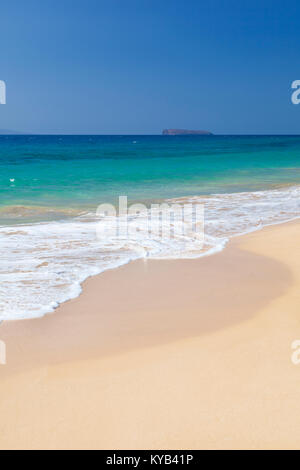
[(139, 66)]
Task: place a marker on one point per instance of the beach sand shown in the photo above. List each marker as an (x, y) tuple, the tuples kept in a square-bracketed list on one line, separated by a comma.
[(187, 354)]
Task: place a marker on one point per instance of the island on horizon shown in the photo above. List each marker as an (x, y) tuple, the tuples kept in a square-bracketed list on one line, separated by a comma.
[(185, 132)]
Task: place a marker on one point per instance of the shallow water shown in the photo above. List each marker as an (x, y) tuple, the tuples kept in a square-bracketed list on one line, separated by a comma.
[(50, 188)]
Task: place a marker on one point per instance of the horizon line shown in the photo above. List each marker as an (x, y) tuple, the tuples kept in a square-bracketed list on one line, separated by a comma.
[(22, 134)]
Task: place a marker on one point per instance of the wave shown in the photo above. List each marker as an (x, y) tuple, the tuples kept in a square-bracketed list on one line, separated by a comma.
[(44, 264)]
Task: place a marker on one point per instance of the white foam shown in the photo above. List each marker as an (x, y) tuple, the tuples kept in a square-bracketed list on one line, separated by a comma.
[(43, 265)]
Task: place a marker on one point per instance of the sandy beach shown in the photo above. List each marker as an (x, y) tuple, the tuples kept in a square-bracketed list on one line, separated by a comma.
[(191, 354)]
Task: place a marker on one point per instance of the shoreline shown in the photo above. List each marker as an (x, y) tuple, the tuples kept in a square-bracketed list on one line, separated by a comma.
[(231, 245), (164, 354), (225, 215)]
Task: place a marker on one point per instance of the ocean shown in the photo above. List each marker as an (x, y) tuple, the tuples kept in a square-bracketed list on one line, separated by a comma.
[(51, 186)]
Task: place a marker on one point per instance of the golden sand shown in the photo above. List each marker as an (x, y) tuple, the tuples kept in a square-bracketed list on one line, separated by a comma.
[(164, 355)]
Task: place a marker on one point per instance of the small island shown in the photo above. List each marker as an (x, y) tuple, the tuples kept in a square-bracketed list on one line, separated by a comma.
[(184, 132)]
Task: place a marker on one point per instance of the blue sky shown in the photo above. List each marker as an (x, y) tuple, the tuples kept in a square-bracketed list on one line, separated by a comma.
[(138, 66)]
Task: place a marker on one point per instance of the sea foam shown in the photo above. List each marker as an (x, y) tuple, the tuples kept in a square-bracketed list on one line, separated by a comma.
[(44, 264)]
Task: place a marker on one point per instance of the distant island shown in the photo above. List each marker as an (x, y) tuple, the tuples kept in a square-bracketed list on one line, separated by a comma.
[(184, 132)]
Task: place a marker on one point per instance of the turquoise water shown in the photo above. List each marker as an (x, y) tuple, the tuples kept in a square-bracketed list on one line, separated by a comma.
[(80, 172), (51, 238)]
